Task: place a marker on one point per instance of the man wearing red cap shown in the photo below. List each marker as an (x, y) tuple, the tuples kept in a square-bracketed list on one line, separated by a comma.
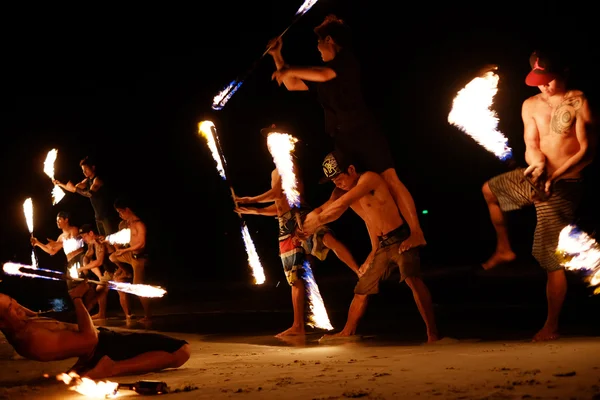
[(559, 145)]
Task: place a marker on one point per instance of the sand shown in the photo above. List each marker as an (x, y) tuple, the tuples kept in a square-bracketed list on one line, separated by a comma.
[(263, 367)]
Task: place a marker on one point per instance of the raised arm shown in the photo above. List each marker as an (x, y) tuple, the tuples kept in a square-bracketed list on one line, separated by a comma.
[(291, 83), (51, 247), (311, 74)]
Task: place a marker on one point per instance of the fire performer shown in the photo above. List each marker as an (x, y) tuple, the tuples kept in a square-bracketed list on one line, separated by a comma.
[(368, 195), (294, 250), (559, 145), (94, 188), (348, 119), (101, 352), (69, 241), (132, 259)]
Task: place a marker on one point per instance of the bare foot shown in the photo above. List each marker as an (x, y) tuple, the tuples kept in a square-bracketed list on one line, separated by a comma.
[(293, 331), (104, 369), (546, 334), (98, 316), (499, 257), (432, 338), (339, 336)]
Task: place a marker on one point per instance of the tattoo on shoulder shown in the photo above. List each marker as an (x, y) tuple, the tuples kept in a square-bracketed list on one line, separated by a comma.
[(565, 114)]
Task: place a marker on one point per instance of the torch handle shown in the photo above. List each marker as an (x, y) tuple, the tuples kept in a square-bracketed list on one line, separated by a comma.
[(233, 198)]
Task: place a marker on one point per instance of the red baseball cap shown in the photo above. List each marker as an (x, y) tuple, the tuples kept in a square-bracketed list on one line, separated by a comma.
[(542, 71)]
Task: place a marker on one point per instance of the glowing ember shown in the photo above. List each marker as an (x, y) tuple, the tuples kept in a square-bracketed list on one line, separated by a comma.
[(472, 114), (253, 259), (121, 237), (88, 387), (281, 147), (207, 129), (318, 317), (72, 244), (16, 269), (580, 252), (57, 192)]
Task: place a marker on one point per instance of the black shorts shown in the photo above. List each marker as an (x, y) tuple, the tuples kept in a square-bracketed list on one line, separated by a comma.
[(119, 346), (369, 150)]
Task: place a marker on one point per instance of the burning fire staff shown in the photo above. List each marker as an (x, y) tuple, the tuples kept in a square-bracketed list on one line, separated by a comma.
[(354, 129), (102, 352), (368, 195), (293, 250), (559, 145)]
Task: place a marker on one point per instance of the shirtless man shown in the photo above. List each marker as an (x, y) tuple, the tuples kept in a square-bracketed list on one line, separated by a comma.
[(95, 260), (559, 145), (134, 255), (368, 195), (69, 240), (292, 249), (101, 352)]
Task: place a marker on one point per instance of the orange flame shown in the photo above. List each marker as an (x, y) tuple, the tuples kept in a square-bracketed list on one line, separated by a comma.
[(281, 146), (57, 192), (121, 237), (88, 387), (580, 252)]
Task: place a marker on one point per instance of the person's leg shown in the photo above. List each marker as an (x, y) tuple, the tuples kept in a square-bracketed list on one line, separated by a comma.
[(298, 298), (121, 275), (358, 306), (424, 303), (503, 252), (139, 275), (143, 363), (556, 290), (341, 251)]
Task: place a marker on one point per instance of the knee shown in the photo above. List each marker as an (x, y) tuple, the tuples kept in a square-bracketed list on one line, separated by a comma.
[(487, 193), (329, 241), (182, 355), (113, 258), (413, 282)]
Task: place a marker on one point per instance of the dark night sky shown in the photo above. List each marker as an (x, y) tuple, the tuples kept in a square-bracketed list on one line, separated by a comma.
[(130, 85)]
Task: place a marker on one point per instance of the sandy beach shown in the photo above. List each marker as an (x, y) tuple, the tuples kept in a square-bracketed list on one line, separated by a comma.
[(263, 367)]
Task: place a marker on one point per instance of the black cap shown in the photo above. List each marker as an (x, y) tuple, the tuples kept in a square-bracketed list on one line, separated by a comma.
[(333, 165), (87, 228)]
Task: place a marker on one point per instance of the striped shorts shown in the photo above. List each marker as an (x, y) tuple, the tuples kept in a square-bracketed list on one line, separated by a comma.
[(514, 192)]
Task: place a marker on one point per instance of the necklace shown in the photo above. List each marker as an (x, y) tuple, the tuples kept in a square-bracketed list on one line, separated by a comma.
[(547, 101)]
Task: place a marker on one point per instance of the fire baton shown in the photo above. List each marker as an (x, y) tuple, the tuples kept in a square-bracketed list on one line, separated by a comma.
[(223, 96), (136, 289), (471, 112)]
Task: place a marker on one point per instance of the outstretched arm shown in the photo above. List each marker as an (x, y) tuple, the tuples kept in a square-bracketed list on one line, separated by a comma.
[(51, 247), (269, 211), (301, 74), (268, 196)]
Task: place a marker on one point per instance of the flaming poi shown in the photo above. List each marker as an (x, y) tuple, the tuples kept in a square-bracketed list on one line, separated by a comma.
[(22, 270), (221, 99), (57, 192), (208, 130), (28, 210), (472, 113), (281, 146), (581, 252)]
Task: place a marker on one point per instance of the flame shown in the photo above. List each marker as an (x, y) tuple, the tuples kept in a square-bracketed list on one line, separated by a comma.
[(207, 129), (281, 147), (121, 237), (472, 114), (307, 5), (15, 269), (57, 192), (28, 210), (74, 271), (224, 95), (137, 289), (34, 263), (88, 387), (72, 244), (580, 252), (318, 317), (253, 259)]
